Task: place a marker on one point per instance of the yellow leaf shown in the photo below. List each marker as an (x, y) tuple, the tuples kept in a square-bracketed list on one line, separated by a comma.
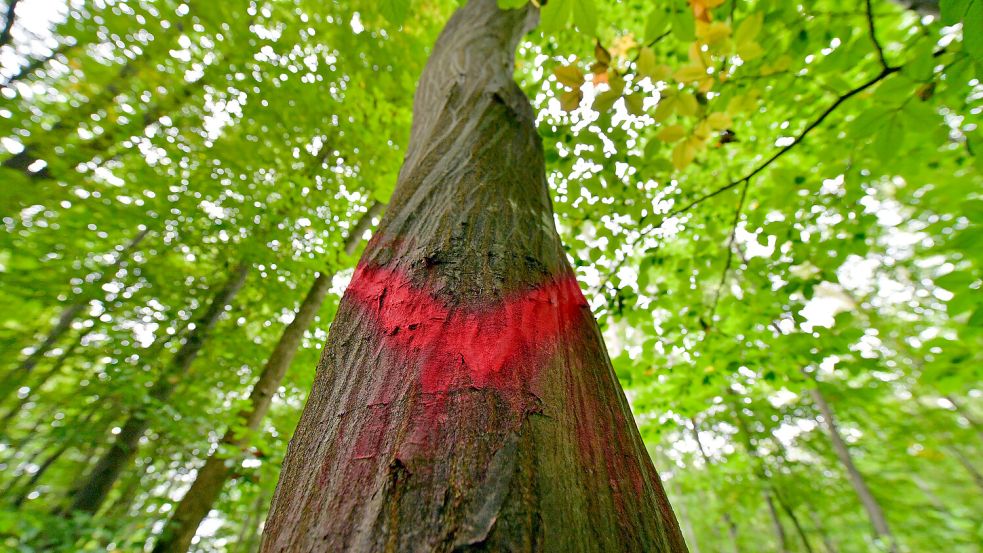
[(622, 44), (671, 133), (714, 34), (683, 154), (748, 30), (719, 121), (647, 66), (646, 61), (690, 73), (665, 109), (702, 130), (569, 75), (743, 102), (749, 51), (570, 99), (781, 64), (688, 106)]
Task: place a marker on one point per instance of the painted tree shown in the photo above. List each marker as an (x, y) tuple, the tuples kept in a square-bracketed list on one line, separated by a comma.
[(465, 400)]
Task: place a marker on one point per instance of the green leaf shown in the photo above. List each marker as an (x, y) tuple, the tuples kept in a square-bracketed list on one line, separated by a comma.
[(683, 24), (656, 24), (953, 11), (585, 15), (555, 15), (395, 11), (511, 4)]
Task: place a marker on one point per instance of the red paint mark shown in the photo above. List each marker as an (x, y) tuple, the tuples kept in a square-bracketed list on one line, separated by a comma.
[(499, 346)]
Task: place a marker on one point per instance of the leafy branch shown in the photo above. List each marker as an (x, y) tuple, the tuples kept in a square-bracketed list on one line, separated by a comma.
[(885, 72)]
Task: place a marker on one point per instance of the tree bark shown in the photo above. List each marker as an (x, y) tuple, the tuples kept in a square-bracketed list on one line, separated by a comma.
[(91, 494), (464, 400), (867, 499), (194, 506), (65, 320)]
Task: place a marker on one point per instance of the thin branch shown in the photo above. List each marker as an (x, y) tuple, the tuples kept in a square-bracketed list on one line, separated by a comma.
[(754, 172), (873, 36), (34, 64), (730, 252), (8, 23)]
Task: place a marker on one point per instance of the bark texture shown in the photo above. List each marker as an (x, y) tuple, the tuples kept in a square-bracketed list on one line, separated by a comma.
[(96, 485), (194, 506), (867, 499), (465, 400)]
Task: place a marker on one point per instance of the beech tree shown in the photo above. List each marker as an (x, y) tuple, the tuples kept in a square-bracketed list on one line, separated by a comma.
[(465, 399), (767, 212)]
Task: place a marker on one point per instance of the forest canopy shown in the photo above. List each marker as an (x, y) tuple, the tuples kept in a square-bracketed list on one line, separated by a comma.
[(770, 207)]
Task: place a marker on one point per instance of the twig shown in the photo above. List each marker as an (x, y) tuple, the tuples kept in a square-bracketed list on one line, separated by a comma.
[(873, 36), (730, 252), (754, 172)]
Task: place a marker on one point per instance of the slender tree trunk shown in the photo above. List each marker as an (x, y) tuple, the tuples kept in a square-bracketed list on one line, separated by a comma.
[(728, 521), (56, 366), (194, 506), (694, 545), (967, 464), (767, 489), (65, 320), (249, 533), (465, 400), (817, 521), (781, 539), (95, 486), (962, 412), (49, 461), (799, 530), (867, 499)]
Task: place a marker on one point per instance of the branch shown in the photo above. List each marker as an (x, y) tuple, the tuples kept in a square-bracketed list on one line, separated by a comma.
[(754, 172), (730, 252), (8, 23), (34, 65), (873, 36)]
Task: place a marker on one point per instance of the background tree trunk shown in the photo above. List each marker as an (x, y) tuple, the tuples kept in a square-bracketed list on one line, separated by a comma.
[(867, 499), (465, 400), (90, 495), (194, 506), (67, 317)]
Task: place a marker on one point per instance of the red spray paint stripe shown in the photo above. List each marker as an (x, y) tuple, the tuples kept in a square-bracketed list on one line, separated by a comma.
[(499, 346)]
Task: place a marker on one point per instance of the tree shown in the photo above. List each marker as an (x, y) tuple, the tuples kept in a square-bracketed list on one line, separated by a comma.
[(180, 529), (95, 486), (465, 400)]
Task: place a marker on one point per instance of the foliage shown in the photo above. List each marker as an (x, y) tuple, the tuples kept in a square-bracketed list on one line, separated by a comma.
[(761, 199)]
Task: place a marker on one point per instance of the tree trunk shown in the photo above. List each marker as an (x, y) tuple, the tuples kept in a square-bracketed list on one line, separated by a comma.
[(767, 489), (55, 368), (96, 485), (968, 465), (728, 521), (781, 540), (799, 530), (194, 506), (65, 320), (867, 499), (464, 400), (817, 521)]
